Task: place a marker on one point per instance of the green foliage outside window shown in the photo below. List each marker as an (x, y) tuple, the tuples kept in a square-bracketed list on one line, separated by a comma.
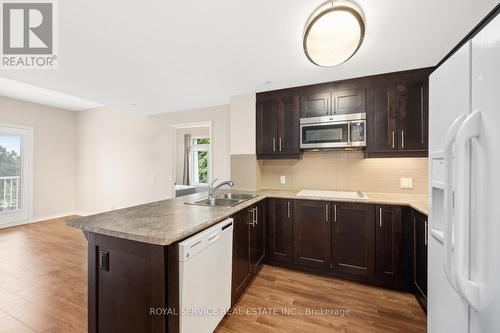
[(10, 163), (203, 166)]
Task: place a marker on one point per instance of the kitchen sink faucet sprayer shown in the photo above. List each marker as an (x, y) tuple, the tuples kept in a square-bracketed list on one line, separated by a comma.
[(212, 189)]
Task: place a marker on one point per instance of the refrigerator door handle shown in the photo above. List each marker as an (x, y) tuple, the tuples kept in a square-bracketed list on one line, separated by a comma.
[(448, 195), (470, 290)]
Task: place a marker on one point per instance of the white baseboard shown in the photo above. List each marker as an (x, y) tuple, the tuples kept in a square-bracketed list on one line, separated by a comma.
[(43, 218)]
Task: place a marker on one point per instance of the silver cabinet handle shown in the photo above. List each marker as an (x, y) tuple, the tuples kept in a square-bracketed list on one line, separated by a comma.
[(289, 209), (326, 212), (279, 143), (252, 211), (256, 215), (334, 213), (402, 139), (426, 235), (380, 217), (274, 144), (393, 136)]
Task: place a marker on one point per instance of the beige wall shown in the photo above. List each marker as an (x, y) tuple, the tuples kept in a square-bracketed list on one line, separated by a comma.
[(242, 125), (126, 159), (202, 131), (121, 160), (54, 150), (342, 171)]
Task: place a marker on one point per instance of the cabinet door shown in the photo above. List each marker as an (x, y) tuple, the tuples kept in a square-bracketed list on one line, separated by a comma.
[(413, 116), (382, 119), (353, 239), (289, 127), (420, 240), (316, 104), (267, 126), (312, 233), (242, 270), (280, 230), (349, 101), (389, 245), (257, 236)]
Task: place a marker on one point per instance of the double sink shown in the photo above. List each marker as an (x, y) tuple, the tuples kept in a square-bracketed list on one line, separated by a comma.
[(224, 200)]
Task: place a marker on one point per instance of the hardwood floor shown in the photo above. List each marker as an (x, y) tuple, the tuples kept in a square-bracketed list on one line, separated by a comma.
[(43, 288), (370, 309), (43, 278)]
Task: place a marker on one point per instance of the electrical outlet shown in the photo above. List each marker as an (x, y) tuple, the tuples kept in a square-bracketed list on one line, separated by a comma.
[(282, 180), (406, 182)]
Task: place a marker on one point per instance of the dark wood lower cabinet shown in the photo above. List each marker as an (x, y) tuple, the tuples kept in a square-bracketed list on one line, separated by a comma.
[(125, 280), (312, 230), (389, 263), (353, 239), (419, 239), (248, 247), (280, 226), (242, 268), (257, 236)]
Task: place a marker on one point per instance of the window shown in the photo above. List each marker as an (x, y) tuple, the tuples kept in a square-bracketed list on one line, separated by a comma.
[(10, 173), (200, 157), (15, 174)]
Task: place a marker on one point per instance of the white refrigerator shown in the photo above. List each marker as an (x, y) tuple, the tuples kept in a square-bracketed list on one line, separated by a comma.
[(464, 188)]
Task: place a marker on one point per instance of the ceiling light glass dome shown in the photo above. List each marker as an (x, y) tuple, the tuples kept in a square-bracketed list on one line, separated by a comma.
[(333, 33)]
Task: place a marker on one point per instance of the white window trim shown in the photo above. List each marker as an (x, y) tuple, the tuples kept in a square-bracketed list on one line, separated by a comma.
[(25, 214)]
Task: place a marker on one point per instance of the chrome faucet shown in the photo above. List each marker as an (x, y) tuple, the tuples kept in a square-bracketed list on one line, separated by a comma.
[(212, 189)]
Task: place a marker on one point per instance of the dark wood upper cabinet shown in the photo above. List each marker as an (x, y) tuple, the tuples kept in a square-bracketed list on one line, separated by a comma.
[(312, 233), (280, 230), (277, 133), (316, 104), (242, 268), (288, 126), (267, 126), (397, 115), (382, 119), (396, 107), (353, 239), (413, 116), (349, 101), (389, 245)]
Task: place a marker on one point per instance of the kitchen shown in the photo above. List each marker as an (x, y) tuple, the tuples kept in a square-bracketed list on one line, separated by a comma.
[(357, 203)]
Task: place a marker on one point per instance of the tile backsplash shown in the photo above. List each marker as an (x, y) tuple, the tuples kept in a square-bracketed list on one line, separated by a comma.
[(331, 170)]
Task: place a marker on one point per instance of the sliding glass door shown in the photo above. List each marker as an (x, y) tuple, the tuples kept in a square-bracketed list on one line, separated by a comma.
[(15, 175)]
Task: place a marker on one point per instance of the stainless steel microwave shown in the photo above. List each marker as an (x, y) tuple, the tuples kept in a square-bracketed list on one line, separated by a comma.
[(338, 131)]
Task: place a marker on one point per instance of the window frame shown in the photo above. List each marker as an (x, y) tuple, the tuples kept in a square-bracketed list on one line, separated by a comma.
[(25, 214)]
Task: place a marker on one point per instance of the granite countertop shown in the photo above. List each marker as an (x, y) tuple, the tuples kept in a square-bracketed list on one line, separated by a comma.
[(168, 221)]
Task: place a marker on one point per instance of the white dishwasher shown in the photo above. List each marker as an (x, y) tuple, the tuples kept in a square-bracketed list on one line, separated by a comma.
[(205, 262)]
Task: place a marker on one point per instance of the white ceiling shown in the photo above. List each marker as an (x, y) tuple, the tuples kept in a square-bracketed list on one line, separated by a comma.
[(171, 55)]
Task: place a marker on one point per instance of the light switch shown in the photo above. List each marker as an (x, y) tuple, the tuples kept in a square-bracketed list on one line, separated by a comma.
[(406, 182), (282, 180)]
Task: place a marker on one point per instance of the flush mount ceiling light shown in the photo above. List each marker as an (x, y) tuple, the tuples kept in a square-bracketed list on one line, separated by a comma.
[(333, 33)]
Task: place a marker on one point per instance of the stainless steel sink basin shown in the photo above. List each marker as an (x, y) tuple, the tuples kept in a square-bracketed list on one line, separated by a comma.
[(238, 196), (224, 200), (216, 202)]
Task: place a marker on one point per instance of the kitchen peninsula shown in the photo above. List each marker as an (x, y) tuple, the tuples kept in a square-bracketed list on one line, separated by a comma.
[(133, 253)]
